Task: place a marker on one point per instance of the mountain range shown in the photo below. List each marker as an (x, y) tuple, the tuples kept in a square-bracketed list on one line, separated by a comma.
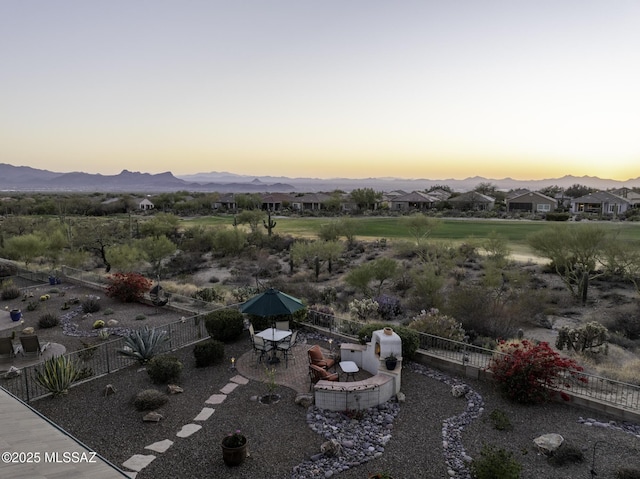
[(24, 178)]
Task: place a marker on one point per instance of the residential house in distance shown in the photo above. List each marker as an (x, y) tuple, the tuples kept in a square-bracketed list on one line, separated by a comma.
[(145, 204), (633, 197), (441, 194), (600, 203), (276, 201), (416, 200), (472, 201), (226, 201), (309, 202), (530, 202)]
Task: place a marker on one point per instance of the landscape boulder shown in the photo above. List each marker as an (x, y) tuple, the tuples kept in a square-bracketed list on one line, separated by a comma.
[(548, 443)]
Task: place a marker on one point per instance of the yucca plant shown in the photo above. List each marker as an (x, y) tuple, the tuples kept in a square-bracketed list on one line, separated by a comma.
[(57, 374), (144, 344)]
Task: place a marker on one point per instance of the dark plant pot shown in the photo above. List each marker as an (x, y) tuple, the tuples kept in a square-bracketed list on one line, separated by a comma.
[(16, 314), (391, 364), (234, 456), (52, 280)]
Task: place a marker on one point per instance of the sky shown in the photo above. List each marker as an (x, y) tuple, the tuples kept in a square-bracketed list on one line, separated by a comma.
[(333, 88)]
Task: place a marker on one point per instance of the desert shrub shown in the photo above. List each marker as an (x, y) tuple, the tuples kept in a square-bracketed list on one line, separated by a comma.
[(9, 291), (91, 304), (495, 463), (8, 269), (32, 305), (409, 337), (144, 344), (626, 322), (557, 216), (48, 320), (108, 312), (225, 324), (150, 399), (140, 317), (566, 454), (500, 420), (208, 352), (438, 324), (164, 369), (525, 372), (98, 324), (389, 307), (363, 309), (57, 375), (210, 295), (592, 338), (128, 287)]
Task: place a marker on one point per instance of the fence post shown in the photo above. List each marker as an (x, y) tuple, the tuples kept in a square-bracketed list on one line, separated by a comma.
[(26, 384), (108, 364)]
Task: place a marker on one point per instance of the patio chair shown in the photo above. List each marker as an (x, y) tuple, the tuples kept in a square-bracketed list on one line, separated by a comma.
[(283, 325), (261, 348), (316, 358), (316, 373), (252, 332), (7, 349), (31, 345), (286, 347)]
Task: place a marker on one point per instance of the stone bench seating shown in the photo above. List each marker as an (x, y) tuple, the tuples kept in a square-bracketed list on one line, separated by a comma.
[(338, 396)]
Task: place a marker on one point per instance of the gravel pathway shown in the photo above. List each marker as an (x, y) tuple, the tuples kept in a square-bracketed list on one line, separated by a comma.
[(427, 436)]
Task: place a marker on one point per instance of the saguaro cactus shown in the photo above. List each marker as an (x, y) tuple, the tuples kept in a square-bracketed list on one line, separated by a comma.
[(269, 224)]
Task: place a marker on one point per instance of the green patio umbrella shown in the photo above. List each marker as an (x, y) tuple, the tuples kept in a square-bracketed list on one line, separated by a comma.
[(271, 303)]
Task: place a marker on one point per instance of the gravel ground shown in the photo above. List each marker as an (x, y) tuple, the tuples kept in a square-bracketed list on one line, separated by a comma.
[(279, 437)]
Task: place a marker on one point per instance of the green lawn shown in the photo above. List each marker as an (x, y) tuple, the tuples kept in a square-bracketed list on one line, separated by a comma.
[(454, 230)]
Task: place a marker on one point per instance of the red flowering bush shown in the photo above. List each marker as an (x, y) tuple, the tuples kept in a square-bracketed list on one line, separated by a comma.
[(128, 287), (527, 372)]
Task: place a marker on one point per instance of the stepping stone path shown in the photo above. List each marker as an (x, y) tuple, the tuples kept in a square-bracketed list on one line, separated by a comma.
[(137, 462)]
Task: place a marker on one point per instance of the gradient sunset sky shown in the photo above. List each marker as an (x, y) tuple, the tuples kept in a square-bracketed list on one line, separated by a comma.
[(348, 88)]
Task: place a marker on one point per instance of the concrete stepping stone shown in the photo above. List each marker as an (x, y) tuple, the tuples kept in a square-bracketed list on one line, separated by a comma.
[(204, 414), (216, 399), (239, 379), (138, 462), (160, 446), (228, 388), (188, 429)]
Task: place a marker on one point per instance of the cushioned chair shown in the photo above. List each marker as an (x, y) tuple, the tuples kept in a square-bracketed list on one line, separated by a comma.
[(283, 325), (316, 358), (316, 373)]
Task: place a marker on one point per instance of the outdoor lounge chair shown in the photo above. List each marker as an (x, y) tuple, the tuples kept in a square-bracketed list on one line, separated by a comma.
[(31, 345), (317, 358), (316, 373), (7, 349)]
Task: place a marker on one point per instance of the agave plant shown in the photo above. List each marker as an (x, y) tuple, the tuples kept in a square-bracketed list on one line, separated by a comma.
[(144, 344), (57, 374)]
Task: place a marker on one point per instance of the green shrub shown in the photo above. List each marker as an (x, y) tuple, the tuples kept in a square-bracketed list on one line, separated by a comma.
[(10, 291), (500, 420), (144, 344), (225, 324), (48, 320), (57, 375), (99, 324), (566, 454), (410, 338), (90, 305), (108, 312), (210, 295), (557, 216), (164, 369), (438, 324), (150, 399), (208, 352), (495, 464), (140, 317)]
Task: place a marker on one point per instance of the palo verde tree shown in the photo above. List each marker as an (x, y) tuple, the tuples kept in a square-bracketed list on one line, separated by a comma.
[(366, 198), (575, 252)]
